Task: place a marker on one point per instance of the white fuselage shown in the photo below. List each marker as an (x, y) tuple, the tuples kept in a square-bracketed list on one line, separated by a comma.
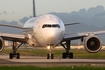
[(47, 30)]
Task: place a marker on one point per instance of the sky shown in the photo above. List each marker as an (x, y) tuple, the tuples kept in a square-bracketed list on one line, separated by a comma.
[(17, 9)]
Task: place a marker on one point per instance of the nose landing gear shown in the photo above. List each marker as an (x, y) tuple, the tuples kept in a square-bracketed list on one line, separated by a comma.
[(50, 55)]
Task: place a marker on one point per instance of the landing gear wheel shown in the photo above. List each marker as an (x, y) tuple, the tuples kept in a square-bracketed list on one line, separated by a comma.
[(64, 55), (11, 55), (18, 55), (50, 55), (69, 55)]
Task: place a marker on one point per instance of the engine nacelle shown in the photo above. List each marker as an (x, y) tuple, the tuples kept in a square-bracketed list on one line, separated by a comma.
[(92, 44), (1, 44)]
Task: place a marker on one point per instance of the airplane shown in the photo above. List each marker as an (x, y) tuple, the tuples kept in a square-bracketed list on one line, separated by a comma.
[(49, 31)]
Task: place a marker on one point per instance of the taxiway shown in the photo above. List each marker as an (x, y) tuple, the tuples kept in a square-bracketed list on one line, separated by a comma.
[(42, 60)]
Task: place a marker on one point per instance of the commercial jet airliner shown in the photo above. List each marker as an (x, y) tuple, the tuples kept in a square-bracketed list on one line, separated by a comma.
[(49, 31)]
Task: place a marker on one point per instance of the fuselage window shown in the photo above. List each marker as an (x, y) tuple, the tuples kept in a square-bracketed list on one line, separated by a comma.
[(51, 26)]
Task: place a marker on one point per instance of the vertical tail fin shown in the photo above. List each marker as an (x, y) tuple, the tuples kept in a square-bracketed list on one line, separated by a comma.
[(34, 12)]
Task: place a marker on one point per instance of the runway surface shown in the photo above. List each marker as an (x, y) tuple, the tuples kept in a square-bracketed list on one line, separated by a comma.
[(4, 59)]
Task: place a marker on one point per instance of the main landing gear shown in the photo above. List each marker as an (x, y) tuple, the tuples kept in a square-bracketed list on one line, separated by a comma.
[(14, 48), (50, 55), (67, 48)]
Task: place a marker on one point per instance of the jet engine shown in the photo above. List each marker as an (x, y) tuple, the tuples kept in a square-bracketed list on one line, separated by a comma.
[(92, 44), (1, 44)]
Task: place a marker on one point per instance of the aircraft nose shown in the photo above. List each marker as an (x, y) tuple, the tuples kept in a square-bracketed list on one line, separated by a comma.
[(53, 37)]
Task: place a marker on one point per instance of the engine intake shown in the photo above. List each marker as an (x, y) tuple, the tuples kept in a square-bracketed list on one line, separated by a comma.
[(1, 44), (92, 44)]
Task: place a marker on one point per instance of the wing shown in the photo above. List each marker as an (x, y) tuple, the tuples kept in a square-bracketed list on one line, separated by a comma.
[(14, 37), (72, 23), (74, 36), (20, 27)]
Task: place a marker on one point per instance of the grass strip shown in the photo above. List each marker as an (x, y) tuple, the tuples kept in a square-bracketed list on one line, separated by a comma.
[(58, 53)]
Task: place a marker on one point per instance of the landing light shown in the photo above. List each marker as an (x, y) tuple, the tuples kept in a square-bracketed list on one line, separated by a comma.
[(48, 47)]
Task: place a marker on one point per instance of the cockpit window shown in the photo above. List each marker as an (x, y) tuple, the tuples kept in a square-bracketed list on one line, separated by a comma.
[(51, 26)]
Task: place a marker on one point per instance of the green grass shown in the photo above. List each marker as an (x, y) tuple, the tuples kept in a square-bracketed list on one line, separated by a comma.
[(51, 68), (58, 53)]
